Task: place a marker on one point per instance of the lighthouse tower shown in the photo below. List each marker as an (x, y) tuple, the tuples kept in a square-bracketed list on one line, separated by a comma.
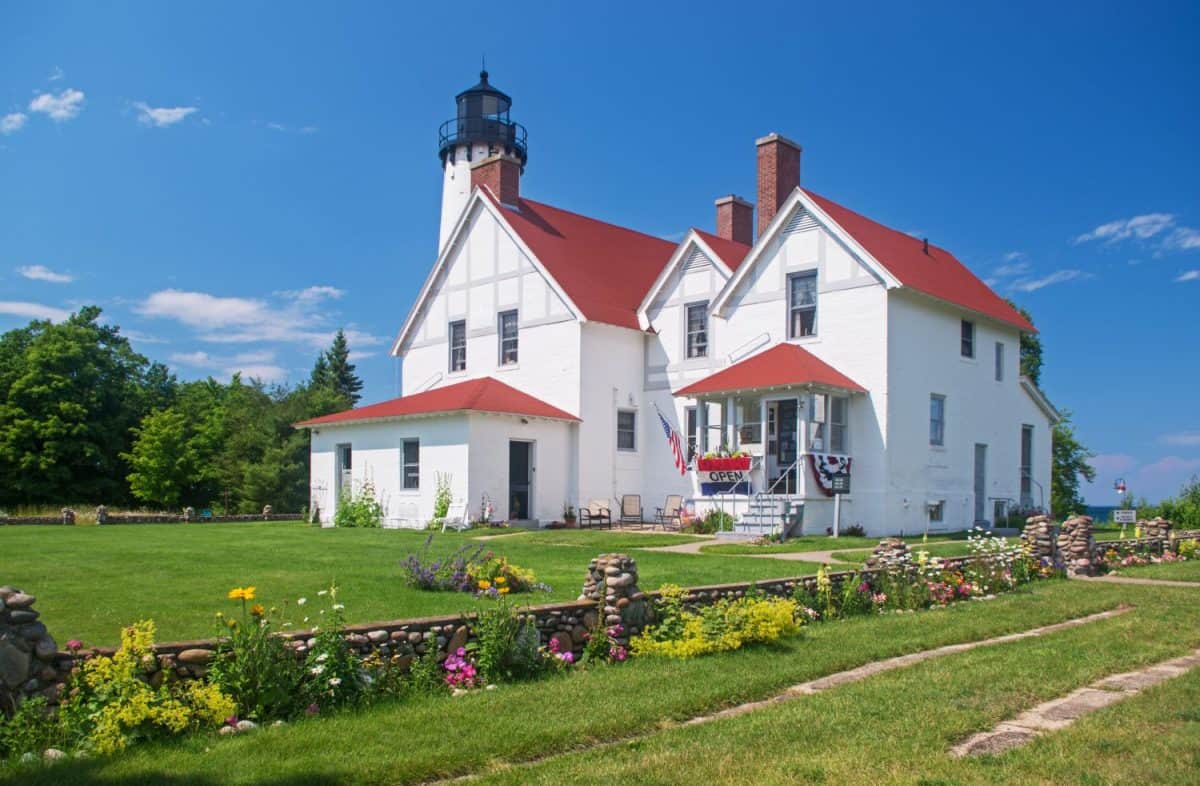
[(481, 128)]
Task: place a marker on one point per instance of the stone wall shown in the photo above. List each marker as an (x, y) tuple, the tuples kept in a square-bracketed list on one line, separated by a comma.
[(188, 515), (30, 663)]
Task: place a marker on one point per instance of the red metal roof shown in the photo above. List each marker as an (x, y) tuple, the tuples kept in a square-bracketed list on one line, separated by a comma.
[(937, 273), (731, 252), (605, 269), (474, 395), (780, 366)]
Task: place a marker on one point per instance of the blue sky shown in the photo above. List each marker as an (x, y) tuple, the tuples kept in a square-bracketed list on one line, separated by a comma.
[(232, 182)]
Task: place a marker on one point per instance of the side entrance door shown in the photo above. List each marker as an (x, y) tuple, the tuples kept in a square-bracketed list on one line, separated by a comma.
[(343, 489), (980, 483), (520, 480)]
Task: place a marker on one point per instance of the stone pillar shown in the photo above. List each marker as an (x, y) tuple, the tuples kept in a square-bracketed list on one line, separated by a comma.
[(1076, 546), (266, 511), (889, 554), (1038, 538), (612, 582), (1157, 529), (68, 516), (189, 514), (101, 514), (30, 663)]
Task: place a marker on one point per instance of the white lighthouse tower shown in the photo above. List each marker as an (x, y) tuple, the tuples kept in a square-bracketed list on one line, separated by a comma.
[(482, 128)]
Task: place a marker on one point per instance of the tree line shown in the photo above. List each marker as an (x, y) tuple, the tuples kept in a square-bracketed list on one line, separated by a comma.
[(86, 419)]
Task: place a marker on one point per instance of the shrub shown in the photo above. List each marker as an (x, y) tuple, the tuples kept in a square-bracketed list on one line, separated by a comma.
[(448, 574), (31, 729), (713, 521), (507, 646), (255, 667), (332, 676), (360, 509), (110, 703), (1186, 549), (498, 574), (723, 626)]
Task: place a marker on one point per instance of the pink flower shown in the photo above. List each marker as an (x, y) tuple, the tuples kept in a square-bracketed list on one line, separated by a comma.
[(74, 645), (553, 646), (313, 709)]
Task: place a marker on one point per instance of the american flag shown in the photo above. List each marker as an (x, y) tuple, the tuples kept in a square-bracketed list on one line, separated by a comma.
[(673, 441)]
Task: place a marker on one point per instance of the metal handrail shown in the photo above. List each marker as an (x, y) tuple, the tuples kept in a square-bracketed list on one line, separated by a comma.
[(489, 128), (768, 490)]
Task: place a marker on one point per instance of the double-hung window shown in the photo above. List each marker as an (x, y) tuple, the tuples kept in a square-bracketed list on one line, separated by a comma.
[(802, 305), (837, 424), (967, 345), (507, 328), (1027, 466), (999, 361), (697, 330), (458, 345), (411, 457), (626, 429), (937, 420)]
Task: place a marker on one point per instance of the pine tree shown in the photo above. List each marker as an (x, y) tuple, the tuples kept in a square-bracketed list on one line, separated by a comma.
[(341, 370), (320, 373)]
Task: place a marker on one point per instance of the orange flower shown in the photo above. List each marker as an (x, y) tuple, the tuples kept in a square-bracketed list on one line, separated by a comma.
[(257, 610)]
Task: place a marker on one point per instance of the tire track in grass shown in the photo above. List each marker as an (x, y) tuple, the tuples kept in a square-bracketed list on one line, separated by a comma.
[(818, 685)]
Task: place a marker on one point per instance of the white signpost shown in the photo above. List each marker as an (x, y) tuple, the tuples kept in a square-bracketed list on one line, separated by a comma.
[(1125, 516)]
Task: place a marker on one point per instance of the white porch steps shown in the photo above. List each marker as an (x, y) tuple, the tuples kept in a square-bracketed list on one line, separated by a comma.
[(766, 514)]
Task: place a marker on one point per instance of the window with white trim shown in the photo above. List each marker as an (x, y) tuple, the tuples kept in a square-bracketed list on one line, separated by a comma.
[(937, 512), (802, 304), (697, 330), (458, 345), (838, 406), (1027, 466), (967, 344), (507, 330), (937, 420), (999, 361), (626, 429), (410, 451)]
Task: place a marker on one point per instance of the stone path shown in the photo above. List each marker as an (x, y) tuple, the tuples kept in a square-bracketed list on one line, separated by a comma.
[(1062, 712), (1144, 582), (831, 681)]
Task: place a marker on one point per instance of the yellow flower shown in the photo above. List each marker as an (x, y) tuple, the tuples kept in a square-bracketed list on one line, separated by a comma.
[(501, 580), (257, 610), (484, 585), (236, 593), (248, 593), (503, 590)]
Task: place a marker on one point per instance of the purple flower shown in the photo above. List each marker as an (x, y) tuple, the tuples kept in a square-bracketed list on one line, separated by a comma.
[(313, 709)]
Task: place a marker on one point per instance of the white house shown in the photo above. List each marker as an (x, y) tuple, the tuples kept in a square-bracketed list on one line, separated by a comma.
[(544, 345)]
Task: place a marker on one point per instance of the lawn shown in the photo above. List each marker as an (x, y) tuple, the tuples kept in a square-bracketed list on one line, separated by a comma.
[(1171, 571), (890, 728), (91, 580), (818, 543)]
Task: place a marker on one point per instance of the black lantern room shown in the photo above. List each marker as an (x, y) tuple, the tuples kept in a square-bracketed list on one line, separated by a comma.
[(482, 119)]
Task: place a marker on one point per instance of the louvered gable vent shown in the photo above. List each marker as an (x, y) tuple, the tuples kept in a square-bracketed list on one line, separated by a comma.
[(695, 261), (801, 221)]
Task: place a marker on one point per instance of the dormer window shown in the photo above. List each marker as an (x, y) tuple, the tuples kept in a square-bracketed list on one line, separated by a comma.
[(802, 305), (967, 346)]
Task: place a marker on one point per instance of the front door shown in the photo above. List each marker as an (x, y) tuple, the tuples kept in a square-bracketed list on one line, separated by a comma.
[(980, 483), (520, 480), (781, 419), (342, 487)]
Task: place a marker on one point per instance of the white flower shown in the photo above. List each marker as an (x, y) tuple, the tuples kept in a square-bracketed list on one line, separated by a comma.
[(316, 671), (335, 681), (301, 601), (323, 592), (338, 606), (322, 657)]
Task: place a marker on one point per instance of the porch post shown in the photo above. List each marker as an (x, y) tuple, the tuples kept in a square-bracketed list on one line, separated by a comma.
[(801, 441), (730, 425), (701, 426)]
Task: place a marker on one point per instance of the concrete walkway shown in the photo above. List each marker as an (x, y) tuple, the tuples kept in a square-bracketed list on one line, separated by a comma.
[(821, 556), (1062, 712)]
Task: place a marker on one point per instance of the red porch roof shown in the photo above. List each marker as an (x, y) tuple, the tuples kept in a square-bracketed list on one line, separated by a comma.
[(780, 366), (474, 395)]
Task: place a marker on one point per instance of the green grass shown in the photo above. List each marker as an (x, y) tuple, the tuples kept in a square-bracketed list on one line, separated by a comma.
[(817, 543), (1171, 571), (897, 725), (90, 581)]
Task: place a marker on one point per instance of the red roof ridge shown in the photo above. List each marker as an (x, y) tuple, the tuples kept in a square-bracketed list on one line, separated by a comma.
[(481, 394)]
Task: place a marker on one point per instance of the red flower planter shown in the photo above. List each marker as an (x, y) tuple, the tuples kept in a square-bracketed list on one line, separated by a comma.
[(742, 463)]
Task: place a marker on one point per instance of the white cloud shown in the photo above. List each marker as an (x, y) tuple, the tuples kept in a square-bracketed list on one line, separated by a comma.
[(43, 273), (258, 364), (1187, 275), (202, 310), (64, 106), (33, 310), (263, 373), (1181, 438), (197, 358), (1182, 239), (1057, 277), (162, 116), (313, 294), (284, 129), (356, 356), (1142, 227), (1113, 463), (1016, 263), (12, 122), (56, 74)]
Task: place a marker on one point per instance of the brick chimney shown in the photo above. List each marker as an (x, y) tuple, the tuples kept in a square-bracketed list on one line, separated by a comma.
[(735, 219), (501, 174), (778, 175)]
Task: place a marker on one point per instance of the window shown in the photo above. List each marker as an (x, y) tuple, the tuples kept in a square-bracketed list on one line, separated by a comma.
[(458, 345), (937, 420), (999, 362), (837, 424), (690, 426), (626, 429), (1027, 466), (802, 305), (937, 512), (697, 330), (508, 337), (968, 339), (411, 471)]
